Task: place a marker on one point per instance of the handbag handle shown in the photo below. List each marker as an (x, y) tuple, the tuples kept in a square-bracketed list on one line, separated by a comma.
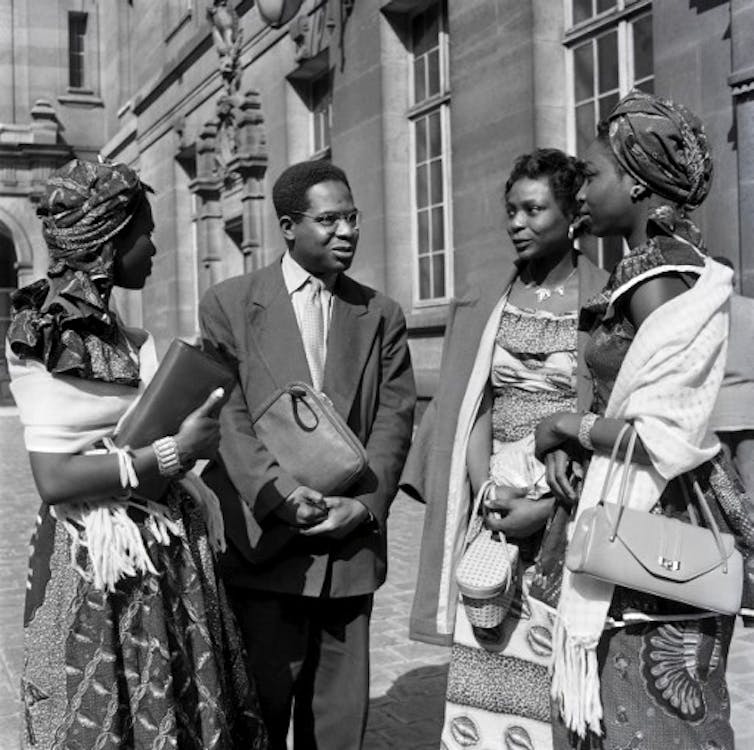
[(709, 518), (707, 513), (481, 496)]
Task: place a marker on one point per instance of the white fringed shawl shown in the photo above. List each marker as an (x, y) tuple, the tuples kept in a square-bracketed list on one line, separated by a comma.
[(62, 414), (458, 486), (667, 386)]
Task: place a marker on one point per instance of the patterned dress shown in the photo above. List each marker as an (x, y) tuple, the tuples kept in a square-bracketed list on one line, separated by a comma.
[(498, 689), (155, 664), (662, 679)]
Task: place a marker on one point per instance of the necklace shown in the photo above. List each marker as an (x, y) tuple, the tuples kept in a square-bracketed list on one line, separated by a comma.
[(545, 292)]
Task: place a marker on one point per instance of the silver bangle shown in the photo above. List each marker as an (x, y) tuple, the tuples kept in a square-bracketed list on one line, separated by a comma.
[(168, 460), (585, 430)]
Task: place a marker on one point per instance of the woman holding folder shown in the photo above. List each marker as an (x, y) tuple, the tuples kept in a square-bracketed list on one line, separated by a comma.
[(129, 642)]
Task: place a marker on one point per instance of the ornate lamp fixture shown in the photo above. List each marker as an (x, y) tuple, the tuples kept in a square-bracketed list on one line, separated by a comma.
[(277, 13)]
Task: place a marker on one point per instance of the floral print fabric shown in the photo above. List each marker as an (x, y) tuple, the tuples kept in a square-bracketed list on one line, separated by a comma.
[(157, 664), (498, 686)]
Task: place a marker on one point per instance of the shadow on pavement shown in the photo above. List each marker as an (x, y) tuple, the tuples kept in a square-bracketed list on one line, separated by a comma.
[(410, 714)]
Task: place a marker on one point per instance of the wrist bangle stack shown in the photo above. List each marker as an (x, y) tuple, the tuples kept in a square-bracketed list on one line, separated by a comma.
[(585, 430), (168, 460)]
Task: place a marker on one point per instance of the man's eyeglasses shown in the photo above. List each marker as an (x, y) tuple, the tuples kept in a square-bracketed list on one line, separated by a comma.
[(331, 219)]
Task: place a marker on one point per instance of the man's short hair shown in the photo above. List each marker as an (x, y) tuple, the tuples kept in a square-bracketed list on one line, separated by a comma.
[(289, 190)]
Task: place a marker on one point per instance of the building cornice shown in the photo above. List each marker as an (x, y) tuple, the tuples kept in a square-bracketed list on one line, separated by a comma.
[(741, 81)]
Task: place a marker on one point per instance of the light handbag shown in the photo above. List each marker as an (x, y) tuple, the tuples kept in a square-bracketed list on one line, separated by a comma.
[(486, 573), (309, 439), (655, 554)]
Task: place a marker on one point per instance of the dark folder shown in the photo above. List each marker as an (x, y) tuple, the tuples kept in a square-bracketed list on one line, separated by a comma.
[(183, 381)]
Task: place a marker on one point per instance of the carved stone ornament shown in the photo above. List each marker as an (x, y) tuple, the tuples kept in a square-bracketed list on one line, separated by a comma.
[(228, 37)]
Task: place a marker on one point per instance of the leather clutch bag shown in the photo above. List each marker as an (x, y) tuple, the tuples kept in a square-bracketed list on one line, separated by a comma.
[(183, 381), (309, 439), (655, 554)]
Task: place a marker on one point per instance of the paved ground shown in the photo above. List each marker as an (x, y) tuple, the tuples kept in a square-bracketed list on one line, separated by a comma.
[(407, 678)]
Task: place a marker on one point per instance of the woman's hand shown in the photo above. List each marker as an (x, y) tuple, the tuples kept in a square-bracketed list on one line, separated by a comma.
[(199, 434), (561, 477), (517, 516), (553, 431)]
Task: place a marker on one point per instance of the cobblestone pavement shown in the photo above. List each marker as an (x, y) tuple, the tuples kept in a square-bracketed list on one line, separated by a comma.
[(408, 679)]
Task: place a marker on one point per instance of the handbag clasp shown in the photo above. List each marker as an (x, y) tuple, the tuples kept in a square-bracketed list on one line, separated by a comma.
[(669, 564)]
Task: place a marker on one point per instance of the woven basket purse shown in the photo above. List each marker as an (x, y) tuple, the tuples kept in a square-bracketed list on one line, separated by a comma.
[(485, 574)]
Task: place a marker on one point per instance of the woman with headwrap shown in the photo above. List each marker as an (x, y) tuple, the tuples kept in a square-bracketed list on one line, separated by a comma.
[(129, 641), (631, 669)]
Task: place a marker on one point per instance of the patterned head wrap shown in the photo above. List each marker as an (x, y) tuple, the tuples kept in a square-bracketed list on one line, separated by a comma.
[(663, 146), (85, 205), (64, 320)]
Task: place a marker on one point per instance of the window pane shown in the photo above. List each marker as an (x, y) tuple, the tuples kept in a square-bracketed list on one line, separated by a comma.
[(582, 9), (643, 61), (422, 224), (612, 251), (438, 229), (433, 72), (603, 5), (589, 245), (435, 180), (583, 71), (76, 39), (318, 134), (421, 185), (607, 103), (648, 85), (584, 126), (424, 283), (435, 134), (607, 61), (421, 139), (438, 275), (420, 87)]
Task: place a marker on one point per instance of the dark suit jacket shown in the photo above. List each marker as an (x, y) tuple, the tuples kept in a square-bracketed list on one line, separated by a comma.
[(250, 323)]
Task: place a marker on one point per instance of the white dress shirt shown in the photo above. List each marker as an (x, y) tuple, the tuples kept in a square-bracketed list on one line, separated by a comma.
[(295, 278)]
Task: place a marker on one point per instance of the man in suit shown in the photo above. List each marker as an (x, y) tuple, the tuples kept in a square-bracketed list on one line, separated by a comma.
[(301, 569)]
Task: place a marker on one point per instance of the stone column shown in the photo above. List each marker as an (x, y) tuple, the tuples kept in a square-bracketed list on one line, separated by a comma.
[(209, 228), (741, 82), (251, 164)]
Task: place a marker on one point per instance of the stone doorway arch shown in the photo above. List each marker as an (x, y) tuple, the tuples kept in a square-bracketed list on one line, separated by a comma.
[(15, 262)]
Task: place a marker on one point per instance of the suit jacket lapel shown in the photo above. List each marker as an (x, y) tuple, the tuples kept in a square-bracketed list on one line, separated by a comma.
[(350, 339), (275, 332)]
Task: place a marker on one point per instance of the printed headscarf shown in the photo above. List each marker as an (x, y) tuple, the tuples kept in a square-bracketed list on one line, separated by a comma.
[(65, 320), (663, 146), (85, 205)]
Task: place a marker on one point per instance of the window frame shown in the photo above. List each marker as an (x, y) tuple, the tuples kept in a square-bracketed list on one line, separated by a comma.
[(438, 102), (74, 18), (324, 151), (620, 18)]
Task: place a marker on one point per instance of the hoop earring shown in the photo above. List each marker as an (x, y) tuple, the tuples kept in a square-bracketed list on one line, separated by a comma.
[(637, 192)]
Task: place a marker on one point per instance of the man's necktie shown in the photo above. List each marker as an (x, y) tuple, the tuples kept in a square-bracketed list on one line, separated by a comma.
[(313, 330)]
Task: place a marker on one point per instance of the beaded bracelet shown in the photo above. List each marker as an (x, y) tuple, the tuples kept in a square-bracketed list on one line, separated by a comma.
[(585, 430), (168, 460)]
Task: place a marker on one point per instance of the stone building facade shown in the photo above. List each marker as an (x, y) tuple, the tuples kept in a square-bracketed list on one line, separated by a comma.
[(424, 103)]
